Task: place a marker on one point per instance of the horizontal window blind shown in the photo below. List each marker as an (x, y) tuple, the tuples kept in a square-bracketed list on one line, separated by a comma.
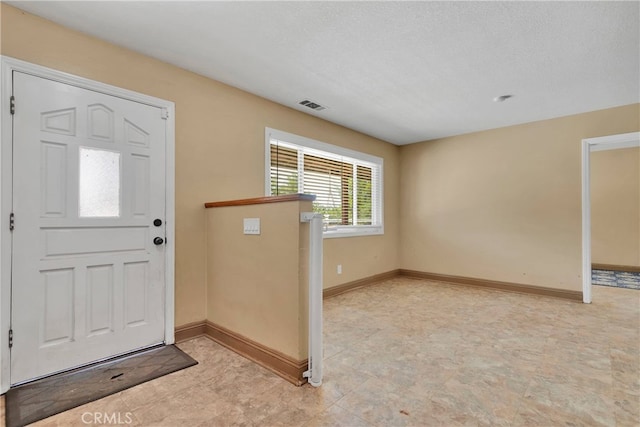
[(284, 170), (347, 190)]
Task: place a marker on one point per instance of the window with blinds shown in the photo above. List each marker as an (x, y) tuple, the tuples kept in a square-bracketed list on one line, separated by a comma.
[(347, 184)]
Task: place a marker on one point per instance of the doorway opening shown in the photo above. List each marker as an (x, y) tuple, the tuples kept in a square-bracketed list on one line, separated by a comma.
[(611, 142)]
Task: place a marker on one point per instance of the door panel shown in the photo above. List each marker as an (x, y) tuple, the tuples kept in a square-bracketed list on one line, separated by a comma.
[(58, 311), (79, 241), (100, 284), (89, 178)]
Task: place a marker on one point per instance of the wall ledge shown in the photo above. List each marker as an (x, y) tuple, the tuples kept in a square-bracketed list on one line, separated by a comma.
[(262, 200)]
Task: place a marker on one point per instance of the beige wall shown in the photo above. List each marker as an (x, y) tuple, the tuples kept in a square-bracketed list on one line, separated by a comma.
[(615, 207), (503, 204), (214, 124)]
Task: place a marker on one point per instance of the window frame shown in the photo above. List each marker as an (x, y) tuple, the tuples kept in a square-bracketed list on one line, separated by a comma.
[(314, 147)]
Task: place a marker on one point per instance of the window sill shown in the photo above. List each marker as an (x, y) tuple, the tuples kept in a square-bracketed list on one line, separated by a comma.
[(350, 232)]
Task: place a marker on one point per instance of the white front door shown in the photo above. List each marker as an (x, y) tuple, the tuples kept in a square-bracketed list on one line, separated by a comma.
[(88, 280)]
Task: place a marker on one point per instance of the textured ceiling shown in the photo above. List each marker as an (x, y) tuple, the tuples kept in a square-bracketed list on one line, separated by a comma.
[(400, 71)]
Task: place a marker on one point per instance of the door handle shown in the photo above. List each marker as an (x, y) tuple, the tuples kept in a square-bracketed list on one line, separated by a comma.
[(158, 241)]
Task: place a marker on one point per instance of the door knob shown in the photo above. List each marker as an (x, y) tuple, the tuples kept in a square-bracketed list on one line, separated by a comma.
[(158, 241)]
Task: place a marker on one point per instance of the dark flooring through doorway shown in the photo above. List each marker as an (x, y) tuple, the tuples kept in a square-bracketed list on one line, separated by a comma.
[(616, 279)]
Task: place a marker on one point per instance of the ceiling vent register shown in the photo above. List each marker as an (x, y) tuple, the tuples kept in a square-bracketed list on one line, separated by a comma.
[(312, 105)]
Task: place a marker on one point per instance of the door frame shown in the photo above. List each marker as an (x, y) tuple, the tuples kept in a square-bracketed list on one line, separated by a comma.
[(7, 66), (609, 142)]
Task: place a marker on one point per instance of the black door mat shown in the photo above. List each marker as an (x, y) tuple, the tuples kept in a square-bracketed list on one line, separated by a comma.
[(40, 399)]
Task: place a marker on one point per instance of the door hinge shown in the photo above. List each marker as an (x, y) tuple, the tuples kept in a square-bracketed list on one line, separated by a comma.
[(12, 105), (164, 113), (12, 221), (10, 338)]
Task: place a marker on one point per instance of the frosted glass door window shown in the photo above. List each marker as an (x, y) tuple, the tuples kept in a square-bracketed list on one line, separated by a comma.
[(99, 183)]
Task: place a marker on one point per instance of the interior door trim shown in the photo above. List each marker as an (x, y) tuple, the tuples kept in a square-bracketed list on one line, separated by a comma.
[(7, 66), (589, 145)]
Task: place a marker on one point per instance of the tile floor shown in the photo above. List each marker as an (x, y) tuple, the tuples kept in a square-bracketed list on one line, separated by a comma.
[(620, 279), (413, 352)]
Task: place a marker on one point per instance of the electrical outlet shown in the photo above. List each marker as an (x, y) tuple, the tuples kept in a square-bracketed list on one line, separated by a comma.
[(339, 269)]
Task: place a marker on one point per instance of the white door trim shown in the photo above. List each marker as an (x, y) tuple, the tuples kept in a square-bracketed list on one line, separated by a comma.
[(8, 65), (611, 142)]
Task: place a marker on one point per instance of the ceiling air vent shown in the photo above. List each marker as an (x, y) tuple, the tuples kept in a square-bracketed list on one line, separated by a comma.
[(312, 105)]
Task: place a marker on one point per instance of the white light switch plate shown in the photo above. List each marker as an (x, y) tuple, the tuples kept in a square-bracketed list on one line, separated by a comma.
[(252, 226)]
